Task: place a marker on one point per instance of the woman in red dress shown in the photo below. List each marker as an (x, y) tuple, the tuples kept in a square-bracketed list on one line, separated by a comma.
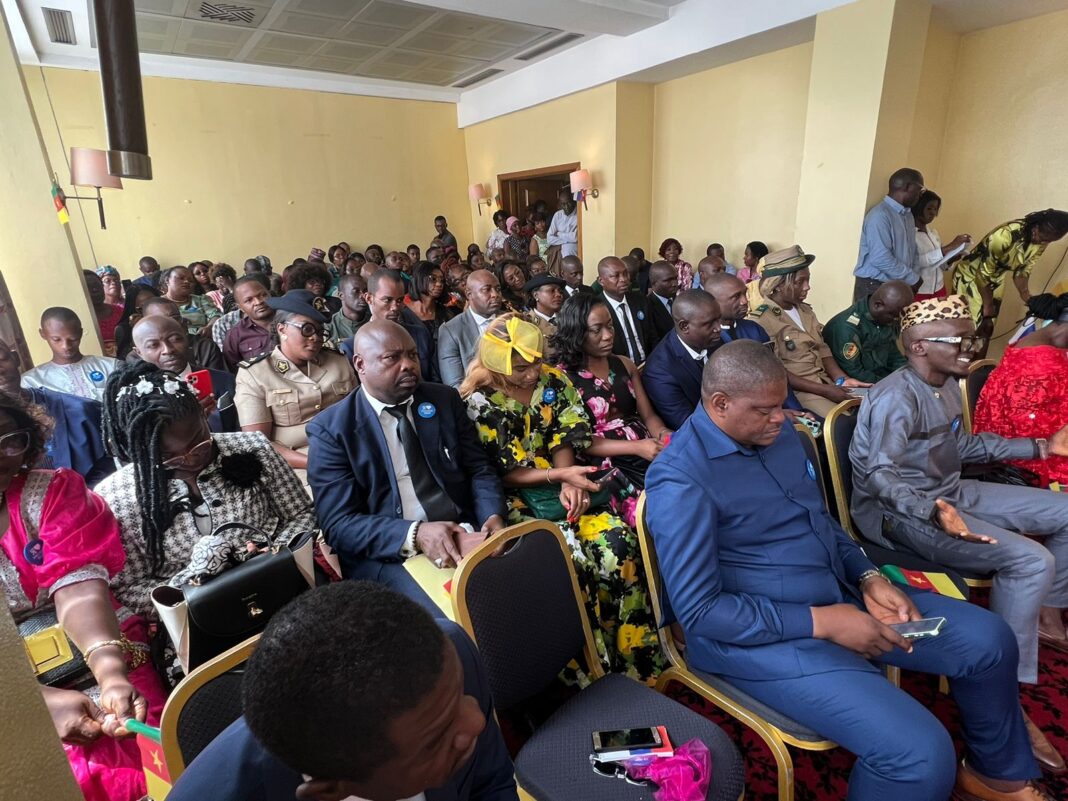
[(1027, 394)]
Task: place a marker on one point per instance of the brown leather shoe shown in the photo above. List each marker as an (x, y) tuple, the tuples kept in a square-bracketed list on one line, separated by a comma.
[(970, 788), (1048, 758)]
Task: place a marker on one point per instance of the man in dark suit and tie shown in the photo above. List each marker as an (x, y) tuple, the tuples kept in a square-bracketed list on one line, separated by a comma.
[(672, 377), (411, 716), (663, 287), (630, 313), (396, 468), (458, 338), (571, 271), (773, 595), (385, 297)]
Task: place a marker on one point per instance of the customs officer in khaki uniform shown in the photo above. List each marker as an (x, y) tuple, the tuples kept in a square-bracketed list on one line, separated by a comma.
[(279, 393), (777, 303)]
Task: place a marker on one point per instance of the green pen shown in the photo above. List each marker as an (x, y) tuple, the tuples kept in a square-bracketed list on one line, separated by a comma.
[(137, 727)]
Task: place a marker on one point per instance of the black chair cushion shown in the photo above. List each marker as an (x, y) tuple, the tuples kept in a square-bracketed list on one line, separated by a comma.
[(772, 716), (526, 621), (554, 764), (208, 712)]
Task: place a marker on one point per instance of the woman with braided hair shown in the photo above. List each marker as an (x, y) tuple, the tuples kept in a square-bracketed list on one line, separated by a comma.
[(179, 482), (1027, 393)]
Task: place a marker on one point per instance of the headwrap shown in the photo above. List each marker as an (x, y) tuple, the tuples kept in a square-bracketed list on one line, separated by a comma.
[(524, 338), (106, 269), (953, 307), (508, 223), (317, 254)]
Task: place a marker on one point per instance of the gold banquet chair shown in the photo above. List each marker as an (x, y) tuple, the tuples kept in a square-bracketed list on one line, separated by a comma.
[(776, 730), (202, 705), (524, 611), (971, 386), (838, 430)]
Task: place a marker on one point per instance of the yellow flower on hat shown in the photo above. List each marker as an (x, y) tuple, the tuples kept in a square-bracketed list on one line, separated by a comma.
[(524, 338)]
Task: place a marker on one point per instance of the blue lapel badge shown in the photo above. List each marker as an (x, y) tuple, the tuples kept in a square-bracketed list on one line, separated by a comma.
[(548, 395), (96, 376), (641, 314), (811, 469), (956, 424), (34, 551), (427, 410)]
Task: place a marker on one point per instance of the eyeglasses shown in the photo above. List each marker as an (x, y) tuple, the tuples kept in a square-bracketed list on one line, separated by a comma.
[(612, 770), (191, 456), (963, 343), (15, 444), (307, 330)]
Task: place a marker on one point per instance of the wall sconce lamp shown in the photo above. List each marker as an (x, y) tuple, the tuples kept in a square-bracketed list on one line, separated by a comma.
[(480, 194), (89, 167), (582, 185)]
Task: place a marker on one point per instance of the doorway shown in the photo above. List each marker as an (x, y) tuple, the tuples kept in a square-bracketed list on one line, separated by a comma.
[(521, 190)]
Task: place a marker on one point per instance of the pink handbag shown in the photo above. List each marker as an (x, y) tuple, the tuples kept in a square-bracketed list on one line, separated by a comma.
[(685, 776)]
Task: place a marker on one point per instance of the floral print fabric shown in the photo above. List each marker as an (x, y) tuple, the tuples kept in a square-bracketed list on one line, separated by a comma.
[(604, 548)]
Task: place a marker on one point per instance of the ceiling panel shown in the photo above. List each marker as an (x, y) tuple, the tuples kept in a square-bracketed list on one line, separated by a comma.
[(170, 8), (397, 15), (289, 43), (306, 24), (367, 33), (335, 9), (275, 57)]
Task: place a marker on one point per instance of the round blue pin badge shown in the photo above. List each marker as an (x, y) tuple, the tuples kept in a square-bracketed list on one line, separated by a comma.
[(641, 315), (811, 469), (34, 551), (548, 395), (956, 424), (427, 410), (96, 376)]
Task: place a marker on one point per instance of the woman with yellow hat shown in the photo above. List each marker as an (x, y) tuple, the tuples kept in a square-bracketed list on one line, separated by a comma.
[(531, 421)]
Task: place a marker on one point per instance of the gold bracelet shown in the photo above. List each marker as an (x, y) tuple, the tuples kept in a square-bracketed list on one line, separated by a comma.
[(132, 655), (548, 478)]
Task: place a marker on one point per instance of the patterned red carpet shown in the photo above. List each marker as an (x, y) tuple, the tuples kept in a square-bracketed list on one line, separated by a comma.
[(823, 776)]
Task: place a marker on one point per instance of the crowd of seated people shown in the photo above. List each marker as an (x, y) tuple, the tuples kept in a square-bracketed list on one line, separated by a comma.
[(412, 407)]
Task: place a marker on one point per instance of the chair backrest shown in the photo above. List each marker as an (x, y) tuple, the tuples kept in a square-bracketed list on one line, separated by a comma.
[(524, 610), (202, 705), (970, 387), (812, 452), (661, 608), (838, 430)]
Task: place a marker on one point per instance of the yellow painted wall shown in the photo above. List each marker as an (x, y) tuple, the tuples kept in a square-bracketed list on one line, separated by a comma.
[(933, 101), (727, 154), (244, 170), (578, 128), (1004, 152), (40, 268), (635, 125)]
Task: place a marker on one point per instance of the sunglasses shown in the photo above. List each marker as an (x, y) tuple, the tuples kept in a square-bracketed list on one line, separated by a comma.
[(963, 343), (613, 770), (191, 456), (307, 330), (15, 444)]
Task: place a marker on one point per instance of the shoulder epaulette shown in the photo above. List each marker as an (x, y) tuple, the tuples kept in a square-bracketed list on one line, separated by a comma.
[(853, 319), (253, 360)]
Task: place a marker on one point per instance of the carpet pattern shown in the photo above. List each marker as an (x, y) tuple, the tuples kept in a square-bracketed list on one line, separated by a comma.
[(824, 775)]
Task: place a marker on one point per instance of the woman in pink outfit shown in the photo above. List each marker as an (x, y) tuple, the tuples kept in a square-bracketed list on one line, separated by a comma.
[(670, 250), (60, 546)]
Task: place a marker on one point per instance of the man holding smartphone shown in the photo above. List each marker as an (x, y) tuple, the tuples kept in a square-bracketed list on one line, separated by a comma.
[(774, 596)]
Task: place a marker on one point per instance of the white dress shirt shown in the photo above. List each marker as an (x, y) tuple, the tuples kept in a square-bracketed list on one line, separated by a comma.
[(480, 321), (662, 299), (411, 509), (625, 318), (563, 231), (702, 355), (929, 247)]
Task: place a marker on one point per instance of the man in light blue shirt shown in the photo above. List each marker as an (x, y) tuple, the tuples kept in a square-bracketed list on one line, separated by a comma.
[(888, 238)]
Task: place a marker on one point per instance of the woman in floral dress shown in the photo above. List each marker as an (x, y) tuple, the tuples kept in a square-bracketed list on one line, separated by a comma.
[(532, 423), (627, 431)]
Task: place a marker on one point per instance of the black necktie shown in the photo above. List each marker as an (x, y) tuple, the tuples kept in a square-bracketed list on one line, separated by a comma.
[(435, 502), (670, 302), (628, 332)]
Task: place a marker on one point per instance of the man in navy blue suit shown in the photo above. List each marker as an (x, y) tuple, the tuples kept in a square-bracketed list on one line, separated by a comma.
[(396, 468), (672, 377), (161, 341), (773, 595), (385, 298), (409, 717)]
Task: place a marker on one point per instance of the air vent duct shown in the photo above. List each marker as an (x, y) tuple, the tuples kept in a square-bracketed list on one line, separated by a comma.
[(60, 25), (479, 78), (548, 47), (226, 12)]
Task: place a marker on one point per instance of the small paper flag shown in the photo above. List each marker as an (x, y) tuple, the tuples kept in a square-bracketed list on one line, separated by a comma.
[(157, 777), (935, 582), (60, 202)]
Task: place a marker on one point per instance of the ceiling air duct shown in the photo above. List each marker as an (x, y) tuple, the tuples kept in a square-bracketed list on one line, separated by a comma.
[(120, 81)]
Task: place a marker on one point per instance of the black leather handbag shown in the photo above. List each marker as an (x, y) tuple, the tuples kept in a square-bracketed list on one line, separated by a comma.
[(56, 660), (206, 619)]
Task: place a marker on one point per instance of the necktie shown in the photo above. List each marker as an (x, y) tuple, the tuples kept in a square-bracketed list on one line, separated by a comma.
[(435, 502), (671, 302), (633, 348)]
